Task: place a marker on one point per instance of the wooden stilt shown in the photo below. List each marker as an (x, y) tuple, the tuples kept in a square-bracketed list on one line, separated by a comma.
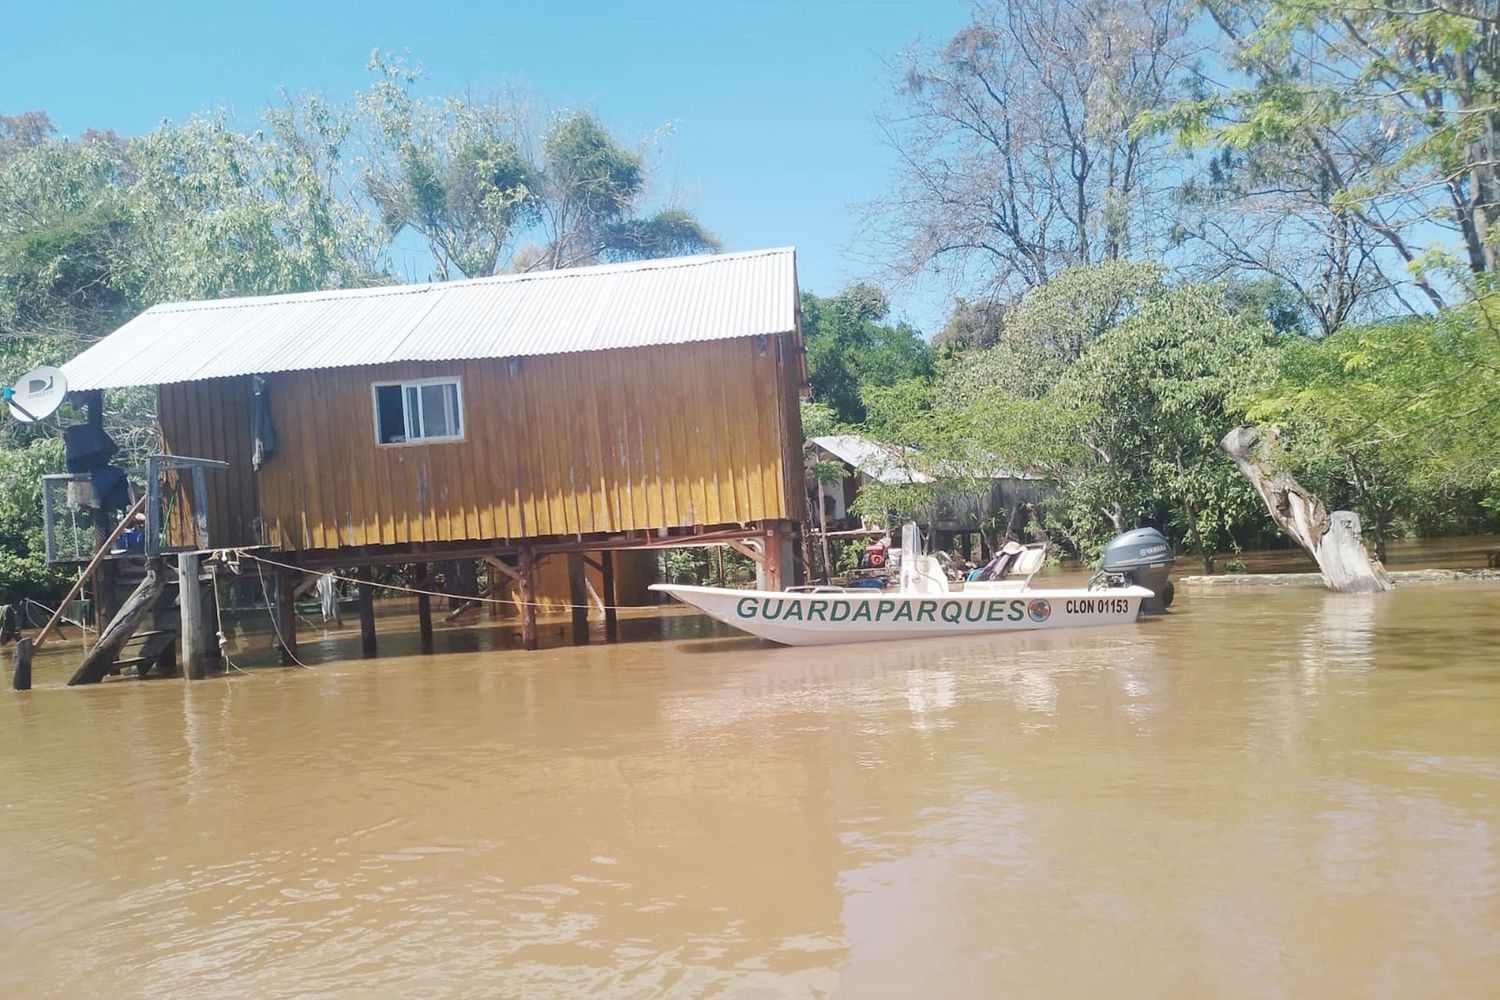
[(20, 679), (286, 615), (527, 570), (777, 565), (607, 571), (366, 612), (578, 596), (424, 607), (190, 601)]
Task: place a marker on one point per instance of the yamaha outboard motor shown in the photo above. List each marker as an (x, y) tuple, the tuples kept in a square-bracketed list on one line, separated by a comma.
[(1144, 559)]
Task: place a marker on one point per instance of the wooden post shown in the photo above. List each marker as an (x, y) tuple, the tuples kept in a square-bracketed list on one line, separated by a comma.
[(424, 607), (777, 556), (20, 680), (578, 597), (120, 628), (607, 571), (190, 601), (527, 570), (366, 612), (286, 614)]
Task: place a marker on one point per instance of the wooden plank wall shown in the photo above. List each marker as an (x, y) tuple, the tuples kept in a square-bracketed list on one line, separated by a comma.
[(211, 419), (608, 441)]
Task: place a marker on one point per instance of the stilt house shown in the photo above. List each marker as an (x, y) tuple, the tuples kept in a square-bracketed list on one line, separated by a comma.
[(580, 411)]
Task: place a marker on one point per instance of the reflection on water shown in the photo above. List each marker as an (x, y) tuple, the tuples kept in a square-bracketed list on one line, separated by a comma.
[(1268, 793)]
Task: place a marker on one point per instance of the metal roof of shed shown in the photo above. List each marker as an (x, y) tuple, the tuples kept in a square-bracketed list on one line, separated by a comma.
[(643, 303)]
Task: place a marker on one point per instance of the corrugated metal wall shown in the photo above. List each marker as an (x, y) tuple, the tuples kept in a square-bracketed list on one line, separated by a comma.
[(211, 420), (655, 437)]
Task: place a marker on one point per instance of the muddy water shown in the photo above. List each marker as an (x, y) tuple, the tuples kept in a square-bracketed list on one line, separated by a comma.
[(1269, 794)]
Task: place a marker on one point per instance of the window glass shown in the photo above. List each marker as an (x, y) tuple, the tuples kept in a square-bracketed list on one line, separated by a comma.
[(414, 413), (435, 416), (390, 415), (407, 412), (455, 419)]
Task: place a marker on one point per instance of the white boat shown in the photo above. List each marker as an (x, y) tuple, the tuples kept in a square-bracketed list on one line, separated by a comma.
[(924, 607)]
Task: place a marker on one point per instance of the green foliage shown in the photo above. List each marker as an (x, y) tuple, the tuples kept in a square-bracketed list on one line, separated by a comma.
[(453, 171), (1381, 115), (1397, 420), (1115, 387), (699, 566), (972, 326), (1050, 327), (818, 419), (849, 348), (1144, 409), (23, 568)]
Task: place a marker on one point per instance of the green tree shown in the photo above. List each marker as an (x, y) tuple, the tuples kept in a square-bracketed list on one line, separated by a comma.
[(1395, 420), (1146, 406), (23, 567), (850, 348), (465, 174), (1016, 160), (1386, 114)]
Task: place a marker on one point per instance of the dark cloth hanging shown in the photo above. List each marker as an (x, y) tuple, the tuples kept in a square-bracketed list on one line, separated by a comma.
[(264, 431), (86, 447), (111, 490)]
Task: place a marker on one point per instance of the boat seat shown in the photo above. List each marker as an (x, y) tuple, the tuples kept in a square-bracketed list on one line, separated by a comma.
[(1027, 565)]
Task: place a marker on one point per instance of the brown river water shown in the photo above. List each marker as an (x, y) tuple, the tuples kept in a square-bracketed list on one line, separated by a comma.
[(1270, 793)]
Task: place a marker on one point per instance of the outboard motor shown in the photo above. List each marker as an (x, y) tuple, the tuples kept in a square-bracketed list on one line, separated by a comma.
[(1143, 558)]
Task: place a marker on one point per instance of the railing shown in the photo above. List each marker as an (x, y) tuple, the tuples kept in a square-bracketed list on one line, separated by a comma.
[(156, 467)]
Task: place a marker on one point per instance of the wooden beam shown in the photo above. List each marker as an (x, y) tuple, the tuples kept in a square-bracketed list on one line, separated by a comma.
[(307, 584), (190, 602), (424, 607), (607, 570), (88, 571), (746, 547), (528, 597), (500, 564), (578, 597), (366, 591)]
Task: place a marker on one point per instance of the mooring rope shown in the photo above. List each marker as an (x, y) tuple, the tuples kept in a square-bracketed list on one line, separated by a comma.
[(231, 557), (276, 625)]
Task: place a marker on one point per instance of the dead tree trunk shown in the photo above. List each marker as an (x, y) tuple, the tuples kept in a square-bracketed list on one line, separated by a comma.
[(1333, 540), (120, 628)]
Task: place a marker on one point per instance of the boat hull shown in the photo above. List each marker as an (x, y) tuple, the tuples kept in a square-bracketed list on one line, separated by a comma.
[(813, 619)]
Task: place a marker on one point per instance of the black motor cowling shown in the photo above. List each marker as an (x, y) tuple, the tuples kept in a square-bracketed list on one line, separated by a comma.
[(1144, 558)]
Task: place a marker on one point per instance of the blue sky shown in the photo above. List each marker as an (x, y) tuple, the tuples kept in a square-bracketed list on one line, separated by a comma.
[(771, 103)]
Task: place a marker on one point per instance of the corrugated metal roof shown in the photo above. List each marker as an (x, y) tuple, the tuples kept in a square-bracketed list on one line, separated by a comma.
[(887, 464), (878, 461), (672, 301)]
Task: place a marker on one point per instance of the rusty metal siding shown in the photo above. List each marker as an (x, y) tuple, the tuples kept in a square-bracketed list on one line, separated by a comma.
[(212, 420), (610, 441)]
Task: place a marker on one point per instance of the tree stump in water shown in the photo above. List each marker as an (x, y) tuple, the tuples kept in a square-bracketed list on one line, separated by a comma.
[(120, 628), (1332, 539)]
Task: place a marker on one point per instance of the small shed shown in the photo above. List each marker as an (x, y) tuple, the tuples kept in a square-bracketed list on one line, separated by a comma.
[(623, 406), (863, 461), (964, 511)]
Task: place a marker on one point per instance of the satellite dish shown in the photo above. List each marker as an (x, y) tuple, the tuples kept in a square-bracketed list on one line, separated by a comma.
[(37, 394)]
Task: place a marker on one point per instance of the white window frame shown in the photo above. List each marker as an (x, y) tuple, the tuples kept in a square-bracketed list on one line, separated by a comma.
[(417, 383)]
